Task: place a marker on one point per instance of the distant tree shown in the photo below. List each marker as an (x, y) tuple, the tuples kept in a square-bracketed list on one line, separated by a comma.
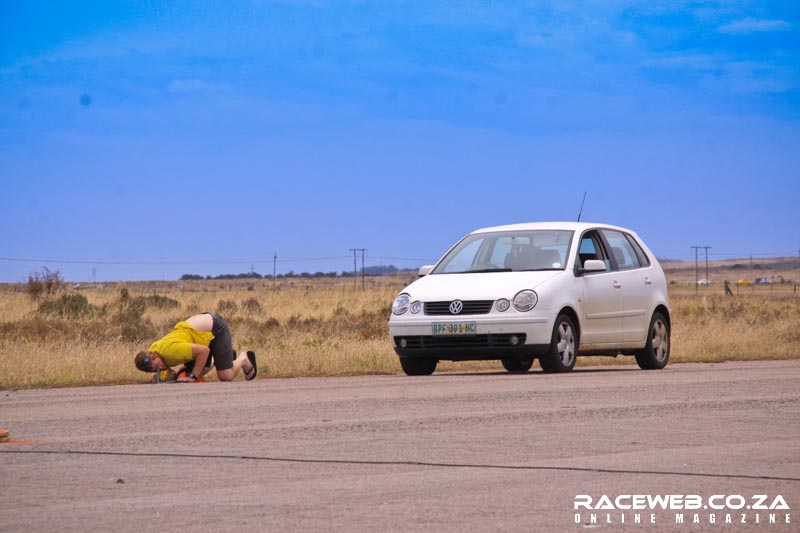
[(191, 277), (245, 275), (380, 270), (46, 281)]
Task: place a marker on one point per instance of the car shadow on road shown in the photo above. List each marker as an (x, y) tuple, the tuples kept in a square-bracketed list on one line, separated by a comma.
[(538, 371)]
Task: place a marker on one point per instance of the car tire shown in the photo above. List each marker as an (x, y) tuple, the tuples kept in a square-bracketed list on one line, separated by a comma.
[(560, 357), (655, 354), (518, 366), (413, 366)]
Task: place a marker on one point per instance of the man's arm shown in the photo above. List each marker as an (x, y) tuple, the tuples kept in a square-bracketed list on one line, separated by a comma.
[(200, 355)]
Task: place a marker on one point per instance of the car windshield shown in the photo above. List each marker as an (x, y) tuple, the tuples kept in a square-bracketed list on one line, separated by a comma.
[(508, 251)]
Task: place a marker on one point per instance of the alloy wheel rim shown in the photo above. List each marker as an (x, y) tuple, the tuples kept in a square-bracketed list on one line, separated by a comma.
[(566, 344), (660, 340)]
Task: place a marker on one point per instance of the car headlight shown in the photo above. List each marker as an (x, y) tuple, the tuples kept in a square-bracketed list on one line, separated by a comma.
[(400, 304), (502, 305), (416, 307), (525, 300)]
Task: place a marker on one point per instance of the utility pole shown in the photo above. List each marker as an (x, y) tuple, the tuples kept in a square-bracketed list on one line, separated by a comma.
[(707, 248), (697, 266), (355, 268), (274, 269), (363, 252), (355, 265)]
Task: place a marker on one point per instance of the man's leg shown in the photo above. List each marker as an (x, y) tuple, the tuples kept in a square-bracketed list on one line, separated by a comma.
[(241, 363), (222, 350)]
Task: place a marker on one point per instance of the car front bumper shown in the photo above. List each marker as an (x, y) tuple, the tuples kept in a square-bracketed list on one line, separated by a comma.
[(494, 338)]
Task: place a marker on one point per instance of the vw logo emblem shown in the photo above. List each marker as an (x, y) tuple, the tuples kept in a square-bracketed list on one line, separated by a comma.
[(456, 306)]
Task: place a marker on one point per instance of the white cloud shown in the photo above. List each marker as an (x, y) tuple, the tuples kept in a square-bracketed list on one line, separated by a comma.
[(759, 77), (703, 62), (751, 25), (193, 86)]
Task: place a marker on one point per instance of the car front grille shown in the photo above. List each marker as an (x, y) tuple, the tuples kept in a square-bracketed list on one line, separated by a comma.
[(471, 307), (421, 342)]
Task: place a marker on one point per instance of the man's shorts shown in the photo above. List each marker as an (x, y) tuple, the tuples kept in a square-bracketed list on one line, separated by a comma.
[(221, 346)]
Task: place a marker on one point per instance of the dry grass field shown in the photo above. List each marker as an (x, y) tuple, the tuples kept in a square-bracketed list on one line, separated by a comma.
[(321, 327)]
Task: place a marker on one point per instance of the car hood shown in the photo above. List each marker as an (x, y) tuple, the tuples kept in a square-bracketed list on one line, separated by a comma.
[(478, 286)]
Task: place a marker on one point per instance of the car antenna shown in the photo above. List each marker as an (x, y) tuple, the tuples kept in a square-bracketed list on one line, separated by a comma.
[(581, 211)]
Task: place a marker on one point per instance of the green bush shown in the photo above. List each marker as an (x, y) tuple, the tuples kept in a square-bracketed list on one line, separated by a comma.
[(128, 317), (227, 306), (70, 305), (251, 305), (158, 302)]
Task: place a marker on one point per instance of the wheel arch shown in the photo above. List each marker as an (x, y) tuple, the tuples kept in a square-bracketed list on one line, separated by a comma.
[(570, 312), (661, 308)]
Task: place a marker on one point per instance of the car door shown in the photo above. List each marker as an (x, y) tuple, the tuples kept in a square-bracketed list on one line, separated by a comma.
[(635, 281), (601, 324)]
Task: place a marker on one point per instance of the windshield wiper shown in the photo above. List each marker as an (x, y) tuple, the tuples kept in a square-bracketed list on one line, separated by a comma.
[(483, 270)]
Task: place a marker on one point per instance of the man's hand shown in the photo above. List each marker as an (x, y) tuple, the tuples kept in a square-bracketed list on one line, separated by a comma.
[(187, 378)]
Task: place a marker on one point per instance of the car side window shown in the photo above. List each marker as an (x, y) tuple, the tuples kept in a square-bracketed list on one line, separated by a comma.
[(624, 254), (592, 248), (643, 260)]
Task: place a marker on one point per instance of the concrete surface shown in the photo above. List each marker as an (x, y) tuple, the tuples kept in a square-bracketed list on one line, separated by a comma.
[(450, 452)]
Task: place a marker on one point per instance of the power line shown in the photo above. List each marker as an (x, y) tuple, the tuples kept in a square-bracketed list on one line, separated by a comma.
[(230, 262)]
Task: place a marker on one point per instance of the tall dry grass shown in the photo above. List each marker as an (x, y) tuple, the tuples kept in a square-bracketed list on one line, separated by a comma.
[(314, 328), (719, 328)]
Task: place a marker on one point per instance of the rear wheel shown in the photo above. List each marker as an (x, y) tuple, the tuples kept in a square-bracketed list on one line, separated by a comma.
[(518, 365), (655, 354), (560, 357), (418, 367)]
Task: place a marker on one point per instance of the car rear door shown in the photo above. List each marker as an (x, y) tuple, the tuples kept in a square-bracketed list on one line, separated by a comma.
[(636, 289)]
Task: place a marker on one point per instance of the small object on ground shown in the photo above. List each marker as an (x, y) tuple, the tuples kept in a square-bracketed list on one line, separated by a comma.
[(5, 435), (184, 374), (252, 374), (120, 480)]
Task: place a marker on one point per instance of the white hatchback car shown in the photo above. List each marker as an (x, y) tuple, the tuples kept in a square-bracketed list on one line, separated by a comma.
[(550, 291)]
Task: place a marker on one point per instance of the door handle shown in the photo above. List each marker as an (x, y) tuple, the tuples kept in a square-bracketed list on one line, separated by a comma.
[(647, 281), (616, 284)]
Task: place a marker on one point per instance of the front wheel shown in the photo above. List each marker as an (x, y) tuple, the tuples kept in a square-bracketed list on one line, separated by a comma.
[(655, 354), (560, 357), (418, 367), (518, 365)]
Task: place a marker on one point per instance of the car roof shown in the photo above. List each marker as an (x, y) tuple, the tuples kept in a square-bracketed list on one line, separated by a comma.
[(570, 226)]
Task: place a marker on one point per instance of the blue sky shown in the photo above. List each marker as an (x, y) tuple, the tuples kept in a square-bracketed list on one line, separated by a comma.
[(150, 139)]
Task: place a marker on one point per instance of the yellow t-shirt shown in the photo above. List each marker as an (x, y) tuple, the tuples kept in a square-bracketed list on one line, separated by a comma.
[(175, 347)]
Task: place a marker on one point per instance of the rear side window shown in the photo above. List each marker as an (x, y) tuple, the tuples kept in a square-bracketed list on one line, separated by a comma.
[(621, 250), (643, 260)]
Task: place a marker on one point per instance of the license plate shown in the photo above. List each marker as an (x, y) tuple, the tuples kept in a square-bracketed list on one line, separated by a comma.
[(454, 328)]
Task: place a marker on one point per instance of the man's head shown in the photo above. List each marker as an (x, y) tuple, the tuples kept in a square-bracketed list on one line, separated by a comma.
[(147, 361)]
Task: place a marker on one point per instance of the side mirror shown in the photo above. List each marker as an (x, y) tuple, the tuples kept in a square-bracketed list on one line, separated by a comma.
[(424, 271), (594, 265)]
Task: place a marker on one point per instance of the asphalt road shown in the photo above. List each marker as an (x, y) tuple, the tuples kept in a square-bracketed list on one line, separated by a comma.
[(449, 452)]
